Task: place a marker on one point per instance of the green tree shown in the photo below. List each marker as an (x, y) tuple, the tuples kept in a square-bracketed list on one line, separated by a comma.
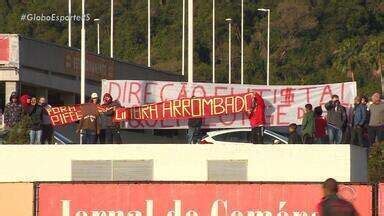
[(19, 134), (376, 163)]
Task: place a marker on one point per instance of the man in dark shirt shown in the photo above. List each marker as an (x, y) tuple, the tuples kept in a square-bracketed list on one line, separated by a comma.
[(358, 121), (337, 119), (332, 204)]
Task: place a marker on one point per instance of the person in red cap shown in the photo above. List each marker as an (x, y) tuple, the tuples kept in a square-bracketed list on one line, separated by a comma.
[(110, 131), (257, 119), (25, 101)]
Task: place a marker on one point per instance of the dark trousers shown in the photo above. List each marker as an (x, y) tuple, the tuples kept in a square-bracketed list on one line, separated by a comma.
[(89, 137), (308, 139), (375, 134), (110, 136), (357, 136), (321, 140), (257, 135), (347, 135), (47, 135)]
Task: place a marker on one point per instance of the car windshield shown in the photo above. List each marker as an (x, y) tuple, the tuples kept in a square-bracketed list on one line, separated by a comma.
[(236, 136), (245, 137)]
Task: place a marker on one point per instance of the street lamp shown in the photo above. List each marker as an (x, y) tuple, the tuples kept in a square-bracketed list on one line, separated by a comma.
[(183, 43), (242, 43), (69, 23), (97, 21), (268, 36), (213, 42), (111, 29), (190, 41), (229, 20), (149, 33), (82, 57)]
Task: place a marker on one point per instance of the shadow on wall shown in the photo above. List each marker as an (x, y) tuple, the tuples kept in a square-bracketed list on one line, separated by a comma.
[(358, 163)]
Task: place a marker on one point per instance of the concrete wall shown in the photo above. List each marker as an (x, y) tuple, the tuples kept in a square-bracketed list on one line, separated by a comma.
[(312, 163)]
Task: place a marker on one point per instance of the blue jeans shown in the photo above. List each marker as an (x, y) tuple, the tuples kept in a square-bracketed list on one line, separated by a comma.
[(335, 134), (89, 137), (193, 135), (35, 136)]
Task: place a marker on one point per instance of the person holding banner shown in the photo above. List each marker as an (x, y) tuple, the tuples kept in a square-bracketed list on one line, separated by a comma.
[(337, 119), (89, 124), (257, 119), (109, 133), (47, 135)]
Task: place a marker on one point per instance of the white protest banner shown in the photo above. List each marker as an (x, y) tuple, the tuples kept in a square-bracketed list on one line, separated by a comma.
[(284, 103)]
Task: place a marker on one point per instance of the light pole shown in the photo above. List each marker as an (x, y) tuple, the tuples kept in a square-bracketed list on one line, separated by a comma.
[(97, 21), (69, 23), (82, 57), (82, 73), (183, 43), (111, 29), (242, 43), (268, 36), (229, 20), (190, 41), (213, 42), (149, 33)]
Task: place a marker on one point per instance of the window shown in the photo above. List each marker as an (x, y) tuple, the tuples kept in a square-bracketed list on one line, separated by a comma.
[(108, 170), (227, 170), (133, 170), (238, 136), (92, 170)]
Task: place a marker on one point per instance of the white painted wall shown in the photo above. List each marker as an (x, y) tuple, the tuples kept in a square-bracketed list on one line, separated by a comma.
[(312, 163)]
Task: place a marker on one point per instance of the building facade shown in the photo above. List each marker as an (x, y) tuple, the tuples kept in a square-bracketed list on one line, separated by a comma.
[(46, 69)]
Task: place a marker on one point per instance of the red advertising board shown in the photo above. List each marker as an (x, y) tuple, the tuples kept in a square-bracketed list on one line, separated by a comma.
[(381, 200), (191, 199), (4, 49)]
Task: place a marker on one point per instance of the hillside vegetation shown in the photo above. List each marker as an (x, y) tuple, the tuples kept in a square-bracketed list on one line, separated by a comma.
[(312, 41)]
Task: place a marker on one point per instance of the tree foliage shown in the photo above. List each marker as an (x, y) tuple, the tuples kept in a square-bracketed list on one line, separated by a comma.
[(19, 134), (312, 41), (376, 163)]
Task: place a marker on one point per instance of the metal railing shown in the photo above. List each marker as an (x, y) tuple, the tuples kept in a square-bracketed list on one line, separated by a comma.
[(61, 139)]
